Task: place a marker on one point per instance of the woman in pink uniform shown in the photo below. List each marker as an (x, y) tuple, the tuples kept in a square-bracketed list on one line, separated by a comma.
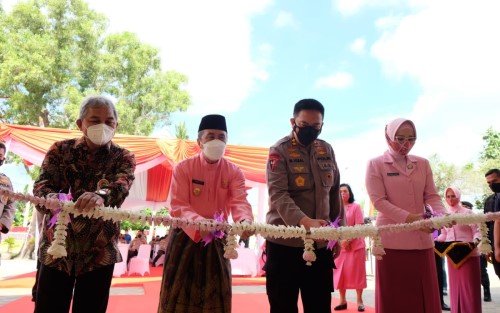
[(351, 271), (465, 281), (400, 185)]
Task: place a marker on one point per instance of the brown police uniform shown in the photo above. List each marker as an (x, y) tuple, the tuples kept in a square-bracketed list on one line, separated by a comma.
[(302, 181)]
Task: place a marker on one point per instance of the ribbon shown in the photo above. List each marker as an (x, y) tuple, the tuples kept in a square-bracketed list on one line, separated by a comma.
[(214, 234), (62, 197), (334, 224), (429, 213)]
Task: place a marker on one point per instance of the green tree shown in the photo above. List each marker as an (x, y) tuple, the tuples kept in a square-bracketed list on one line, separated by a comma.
[(181, 131), (444, 174), (489, 159), (54, 52), (491, 147)]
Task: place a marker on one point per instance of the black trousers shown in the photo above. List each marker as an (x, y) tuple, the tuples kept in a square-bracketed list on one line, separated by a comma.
[(485, 280), (287, 274), (440, 275), (55, 290)]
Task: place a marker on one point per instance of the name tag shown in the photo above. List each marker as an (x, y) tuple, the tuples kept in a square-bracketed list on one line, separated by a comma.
[(199, 182), (392, 174)]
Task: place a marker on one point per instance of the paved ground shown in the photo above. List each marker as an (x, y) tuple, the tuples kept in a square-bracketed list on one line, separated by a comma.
[(12, 268)]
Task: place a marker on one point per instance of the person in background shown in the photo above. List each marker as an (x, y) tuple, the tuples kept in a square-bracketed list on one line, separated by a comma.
[(485, 279), (140, 234), (7, 206), (133, 249), (400, 185), (303, 184), (96, 172), (350, 272), (465, 276), (492, 204), (196, 275), (497, 240), (127, 237), (163, 242), (121, 239)]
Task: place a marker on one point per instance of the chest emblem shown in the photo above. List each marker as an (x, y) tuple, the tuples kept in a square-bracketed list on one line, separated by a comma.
[(196, 191), (299, 168), (300, 181), (225, 183)]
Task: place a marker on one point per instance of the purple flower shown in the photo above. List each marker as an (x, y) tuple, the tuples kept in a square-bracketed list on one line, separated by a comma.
[(214, 234), (334, 224), (62, 197)]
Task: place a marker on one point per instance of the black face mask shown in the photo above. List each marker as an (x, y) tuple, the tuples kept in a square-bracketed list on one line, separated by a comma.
[(495, 187), (306, 134)]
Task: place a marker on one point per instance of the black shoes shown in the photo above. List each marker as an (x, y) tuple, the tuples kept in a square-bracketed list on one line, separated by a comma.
[(445, 307), (341, 307), (361, 308)]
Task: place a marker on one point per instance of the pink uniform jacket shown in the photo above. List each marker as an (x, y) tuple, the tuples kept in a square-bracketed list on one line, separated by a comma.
[(200, 189), (354, 215), (465, 233), (396, 192)]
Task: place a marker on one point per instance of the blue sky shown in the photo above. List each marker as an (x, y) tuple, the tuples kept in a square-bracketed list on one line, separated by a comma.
[(367, 61)]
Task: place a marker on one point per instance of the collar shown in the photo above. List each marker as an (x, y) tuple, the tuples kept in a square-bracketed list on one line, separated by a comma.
[(82, 143), (388, 158)]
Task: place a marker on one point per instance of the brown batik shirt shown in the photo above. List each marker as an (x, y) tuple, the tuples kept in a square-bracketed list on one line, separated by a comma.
[(69, 166)]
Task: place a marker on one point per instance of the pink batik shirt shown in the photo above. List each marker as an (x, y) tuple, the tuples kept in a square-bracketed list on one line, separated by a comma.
[(201, 189)]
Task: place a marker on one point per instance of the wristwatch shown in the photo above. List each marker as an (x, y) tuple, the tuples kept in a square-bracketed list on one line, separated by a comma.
[(104, 193)]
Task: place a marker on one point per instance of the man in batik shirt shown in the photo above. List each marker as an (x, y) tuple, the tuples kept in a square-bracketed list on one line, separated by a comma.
[(96, 172), (7, 206)]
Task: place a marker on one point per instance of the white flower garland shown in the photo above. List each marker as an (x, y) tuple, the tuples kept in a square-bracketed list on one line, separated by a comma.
[(58, 248)]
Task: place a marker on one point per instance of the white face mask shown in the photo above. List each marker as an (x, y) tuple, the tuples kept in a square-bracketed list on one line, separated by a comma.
[(214, 149), (100, 134)]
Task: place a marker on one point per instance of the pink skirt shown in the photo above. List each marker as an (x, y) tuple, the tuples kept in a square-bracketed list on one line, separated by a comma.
[(351, 270), (465, 286), (406, 281)]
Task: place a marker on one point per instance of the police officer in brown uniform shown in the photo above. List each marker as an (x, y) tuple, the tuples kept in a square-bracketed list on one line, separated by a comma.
[(303, 182)]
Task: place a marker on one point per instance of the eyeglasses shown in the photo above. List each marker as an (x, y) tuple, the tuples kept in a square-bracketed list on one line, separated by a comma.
[(402, 139)]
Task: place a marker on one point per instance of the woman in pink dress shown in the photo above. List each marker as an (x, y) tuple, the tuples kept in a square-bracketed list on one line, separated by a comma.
[(465, 277), (400, 185), (351, 271)]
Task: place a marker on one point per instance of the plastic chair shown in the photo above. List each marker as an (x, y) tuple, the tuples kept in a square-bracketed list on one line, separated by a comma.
[(121, 267), (140, 263)]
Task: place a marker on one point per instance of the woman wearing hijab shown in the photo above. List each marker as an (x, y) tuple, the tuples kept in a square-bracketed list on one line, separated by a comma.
[(400, 185), (465, 271), (351, 271)]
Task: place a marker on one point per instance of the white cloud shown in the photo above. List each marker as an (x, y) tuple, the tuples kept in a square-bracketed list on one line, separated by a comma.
[(456, 65), (263, 61), (207, 40), (351, 7), (358, 46), (284, 19), (338, 80)]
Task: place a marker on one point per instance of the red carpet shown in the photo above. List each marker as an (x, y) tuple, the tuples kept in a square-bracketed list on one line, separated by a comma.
[(242, 303)]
